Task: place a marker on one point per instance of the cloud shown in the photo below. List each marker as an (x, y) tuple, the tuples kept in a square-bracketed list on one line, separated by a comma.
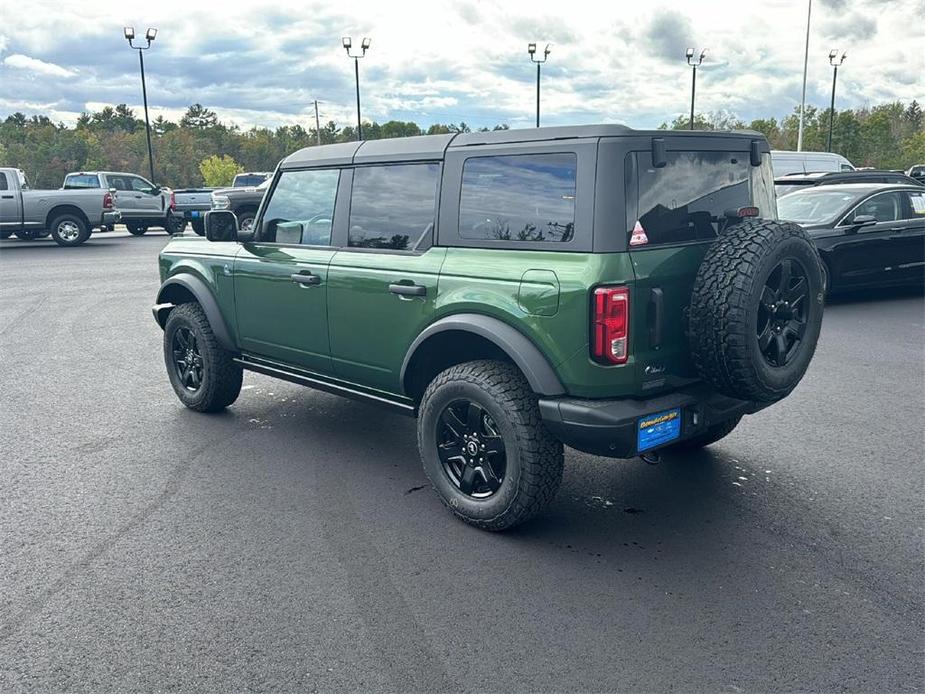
[(24, 62), (4, 43), (850, 27), (668, 34)]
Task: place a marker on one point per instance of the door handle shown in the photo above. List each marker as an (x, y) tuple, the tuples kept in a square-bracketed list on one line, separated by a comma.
[(6, 197), (408, 289), (305, 278)]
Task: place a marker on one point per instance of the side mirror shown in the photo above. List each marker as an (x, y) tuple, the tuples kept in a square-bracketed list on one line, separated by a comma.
[(862, 220), (221, 225)]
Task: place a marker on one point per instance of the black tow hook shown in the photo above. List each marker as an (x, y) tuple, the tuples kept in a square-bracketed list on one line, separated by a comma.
[(652, 458)]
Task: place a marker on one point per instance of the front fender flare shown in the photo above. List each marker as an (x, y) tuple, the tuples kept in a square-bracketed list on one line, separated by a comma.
[(528, 358), (203, 295)]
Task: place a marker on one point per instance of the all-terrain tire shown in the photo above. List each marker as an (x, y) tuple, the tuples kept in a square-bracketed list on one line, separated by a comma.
[(533, 457), (729, 297), (136, 229), (710, 436), (69, 230), (221, 377), (199, 226)]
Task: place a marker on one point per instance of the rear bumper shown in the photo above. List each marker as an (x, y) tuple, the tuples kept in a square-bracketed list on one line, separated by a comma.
[(111, 218), (609, 427)]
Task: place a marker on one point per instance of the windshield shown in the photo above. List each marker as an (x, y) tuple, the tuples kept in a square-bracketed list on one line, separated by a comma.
[(246, 180), (814, 206)]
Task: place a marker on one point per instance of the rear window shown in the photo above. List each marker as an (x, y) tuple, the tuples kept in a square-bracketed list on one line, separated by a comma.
[(524, 197), (687, 199), (244, 180), (73, 181)]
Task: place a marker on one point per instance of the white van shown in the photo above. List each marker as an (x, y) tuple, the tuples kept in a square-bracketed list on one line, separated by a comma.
[(784, 162)]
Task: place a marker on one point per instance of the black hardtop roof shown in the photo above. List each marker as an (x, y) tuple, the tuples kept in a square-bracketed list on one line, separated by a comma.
[(430, 147)]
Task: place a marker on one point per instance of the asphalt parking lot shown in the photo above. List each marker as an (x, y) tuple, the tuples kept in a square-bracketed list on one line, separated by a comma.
[(290, 544)]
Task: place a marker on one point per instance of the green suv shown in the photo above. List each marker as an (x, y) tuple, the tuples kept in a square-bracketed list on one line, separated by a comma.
[(614, 290)]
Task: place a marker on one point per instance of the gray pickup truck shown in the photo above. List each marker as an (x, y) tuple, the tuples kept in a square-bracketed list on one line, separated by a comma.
[(69, 215), (193, 203), (142, 204)]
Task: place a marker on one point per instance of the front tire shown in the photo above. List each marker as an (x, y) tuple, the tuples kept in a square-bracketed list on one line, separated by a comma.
[(176, 224), (246, 220), (69, 230), (484, 447), (202, 373)]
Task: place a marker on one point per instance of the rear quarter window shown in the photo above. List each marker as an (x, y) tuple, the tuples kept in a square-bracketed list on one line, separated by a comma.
[(519, 198)]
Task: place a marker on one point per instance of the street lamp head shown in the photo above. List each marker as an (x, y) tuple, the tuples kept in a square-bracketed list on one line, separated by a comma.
[(365, 43), (833, 53), (702, 54), (531, 48), (129, 33), (151, 34), (690, 53), (347, 42), (546, 51)]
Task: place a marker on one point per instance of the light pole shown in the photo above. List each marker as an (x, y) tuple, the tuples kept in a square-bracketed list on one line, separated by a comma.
[(694, 65), (809, 15), (356, 66), (150, 35), (833, 56), (531, 49)]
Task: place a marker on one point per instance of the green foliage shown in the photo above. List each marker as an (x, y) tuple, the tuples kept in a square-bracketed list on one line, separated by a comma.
[(889, 136), (218, 171)]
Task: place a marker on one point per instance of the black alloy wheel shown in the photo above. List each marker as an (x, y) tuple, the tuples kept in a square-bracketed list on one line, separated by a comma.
[(782, 312), (186, 359), (471, 449)]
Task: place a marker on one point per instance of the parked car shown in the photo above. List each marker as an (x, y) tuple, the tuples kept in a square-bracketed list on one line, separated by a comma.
[(486, 283), (868, 234), (786, 162), (142, 204), (243, 202), (792, 182), (917, 172), (191, 204), (69, 215), (250, 179)]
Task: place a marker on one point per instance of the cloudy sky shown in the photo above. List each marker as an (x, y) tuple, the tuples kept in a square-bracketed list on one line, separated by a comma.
[(263, 62)]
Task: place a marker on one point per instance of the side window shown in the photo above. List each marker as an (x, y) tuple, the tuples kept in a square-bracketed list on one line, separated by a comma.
[(525, 197), (139, 184), (392, 206), (884, 207), (301, 208), (3, 184), (916, 206), (119, 183)]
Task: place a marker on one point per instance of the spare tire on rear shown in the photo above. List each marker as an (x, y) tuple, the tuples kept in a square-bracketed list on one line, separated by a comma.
[(756, 310)]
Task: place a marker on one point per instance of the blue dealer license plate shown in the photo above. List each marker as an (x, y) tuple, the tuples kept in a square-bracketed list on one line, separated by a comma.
[(659, 428), (195, 214)]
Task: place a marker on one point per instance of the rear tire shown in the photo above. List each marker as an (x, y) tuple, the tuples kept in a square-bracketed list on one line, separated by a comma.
[(484, 447), (756, 310), (203, 374), (136, 229), (69, 230), (710, 436), (176, 224), (199, 226)]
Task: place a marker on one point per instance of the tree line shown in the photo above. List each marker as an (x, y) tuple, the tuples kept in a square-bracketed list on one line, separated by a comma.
[(200, 149)]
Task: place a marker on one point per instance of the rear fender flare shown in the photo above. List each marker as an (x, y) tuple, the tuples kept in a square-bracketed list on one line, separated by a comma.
[(528, 358), (203, 295)]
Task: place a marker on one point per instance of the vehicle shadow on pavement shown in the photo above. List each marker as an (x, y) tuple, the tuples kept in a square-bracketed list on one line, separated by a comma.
[(876, 294)]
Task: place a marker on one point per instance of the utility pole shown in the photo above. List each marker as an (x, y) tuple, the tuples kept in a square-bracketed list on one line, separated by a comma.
[(832, 56), (317, 123)]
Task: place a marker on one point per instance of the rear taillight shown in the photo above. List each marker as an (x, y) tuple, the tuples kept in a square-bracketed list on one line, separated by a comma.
[(107, 201), (173, 201), (610, 325)]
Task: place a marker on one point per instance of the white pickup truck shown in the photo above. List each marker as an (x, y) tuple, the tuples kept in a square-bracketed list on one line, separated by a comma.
[(142, 204), (69, 215)]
